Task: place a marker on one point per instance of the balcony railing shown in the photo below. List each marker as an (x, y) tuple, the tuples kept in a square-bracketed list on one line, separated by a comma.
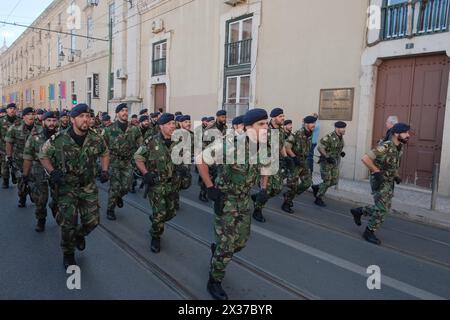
[(415, 17), (238, 53), (395, 20), (159, 67), (433, 16)]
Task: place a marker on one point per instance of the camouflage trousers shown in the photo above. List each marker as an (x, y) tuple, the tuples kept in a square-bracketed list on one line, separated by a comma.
[(232, 231), (5, 169), (76, 203), (330, 175), (383, 201), (298, 181), (162, 201), (274, 187), (121, 180), (39, 194), (183, 183)]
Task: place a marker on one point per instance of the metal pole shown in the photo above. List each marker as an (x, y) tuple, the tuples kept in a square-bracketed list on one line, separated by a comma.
[(109, 66), (434, 186)]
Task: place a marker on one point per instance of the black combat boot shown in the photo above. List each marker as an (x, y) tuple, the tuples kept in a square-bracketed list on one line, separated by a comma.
[(155, 245), (119, 202), (133, 187), (54, 208), (215, 289), (357, 213), (14, 179), (80, 242), (110, 215), (258, 216), (22, 202), (69, 260), (319, 202), (315, 189), (369, 235), (5, 184), (40, 226), (286, 207)]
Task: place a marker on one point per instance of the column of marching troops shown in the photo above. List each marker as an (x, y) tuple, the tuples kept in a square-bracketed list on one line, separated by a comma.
[(59, 156)]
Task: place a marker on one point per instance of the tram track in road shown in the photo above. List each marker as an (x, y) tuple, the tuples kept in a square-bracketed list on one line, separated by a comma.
[(149, 266), (244, 263)]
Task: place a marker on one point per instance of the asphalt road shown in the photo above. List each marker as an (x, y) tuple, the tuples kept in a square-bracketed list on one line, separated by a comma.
[(316, 253)]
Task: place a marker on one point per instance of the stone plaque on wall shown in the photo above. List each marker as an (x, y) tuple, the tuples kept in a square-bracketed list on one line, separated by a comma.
[(336, 104)]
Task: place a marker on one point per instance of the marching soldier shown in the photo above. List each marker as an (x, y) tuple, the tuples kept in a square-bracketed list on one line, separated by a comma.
[(216, 128), (231, 194), (38, 118), (33, 172), (287, 129), (184, 170), (64, 121), (238, 125), (106, 121), (134, 120), (383, 163), (6, 122), (153, 159), (144, 124), (2, 113), (69, 157), (143, 112), (275, 183), (330, 149), (298, 146), (16, 137), (122, 140)]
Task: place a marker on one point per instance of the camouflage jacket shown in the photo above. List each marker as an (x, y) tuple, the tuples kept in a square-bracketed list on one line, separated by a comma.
[(31, 152), (77, 163), (281, 140), (300, 143), (122, 145), (17, 135), (184, 133), (156, 155), (209, 134), (332, 144), (387, 158), (239, 177), (4, 126), (153, 130)]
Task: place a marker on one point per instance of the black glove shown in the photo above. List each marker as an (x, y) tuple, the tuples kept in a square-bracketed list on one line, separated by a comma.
[(25, 179), (104, 177), (149, 179), (297, 161), (377, 180), (343, 154), (262, 197), (56, 177), (288, 163), (331, 160), (214, 194), (398, 180), (182, 172), (9, 162)]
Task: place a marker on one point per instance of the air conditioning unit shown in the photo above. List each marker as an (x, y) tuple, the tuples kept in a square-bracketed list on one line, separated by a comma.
[(234, 2), (157, 25), (120, 74)]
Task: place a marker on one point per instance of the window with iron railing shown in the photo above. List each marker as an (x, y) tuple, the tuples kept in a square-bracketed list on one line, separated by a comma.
[(238, 48), (403, 18)]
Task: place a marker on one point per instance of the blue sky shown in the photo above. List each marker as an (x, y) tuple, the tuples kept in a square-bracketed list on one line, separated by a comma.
[(19, 11)]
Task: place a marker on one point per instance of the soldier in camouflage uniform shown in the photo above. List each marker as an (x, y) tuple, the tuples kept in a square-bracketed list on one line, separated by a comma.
[(287, 129), (16, 137), (298, 146), (134, 120), (153, 127), (144, 124), (38, 118), (69, 156), (216, 129), (64, 121), (183, 170), (6, 122), (383, 162), (2, 113), (33, 172), (106, 121), (275, 184), (238, 125), (231, 194), (122, 140), (154, 161), (330, 149)]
